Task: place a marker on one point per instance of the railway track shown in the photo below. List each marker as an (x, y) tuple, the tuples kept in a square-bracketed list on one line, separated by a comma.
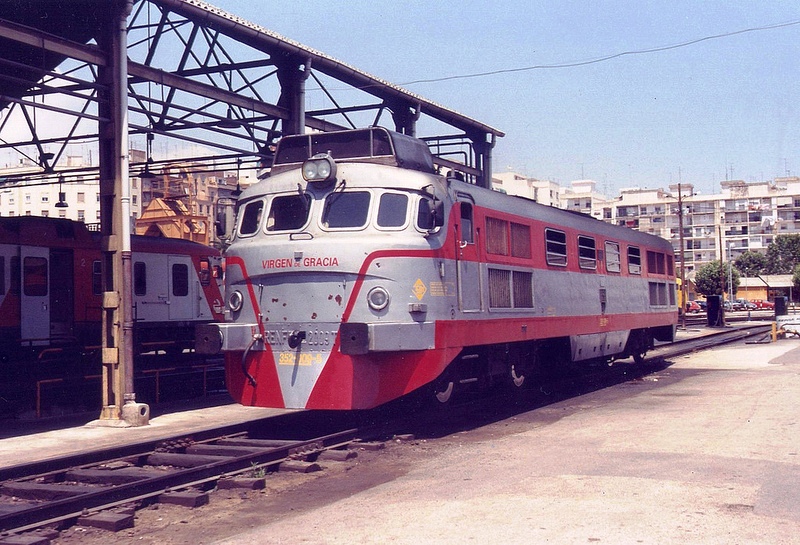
[(104, 487)]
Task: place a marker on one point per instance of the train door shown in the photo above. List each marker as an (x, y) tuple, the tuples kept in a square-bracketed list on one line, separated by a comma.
[(35, 296), (182, 288), (469, 266), (62, 299)]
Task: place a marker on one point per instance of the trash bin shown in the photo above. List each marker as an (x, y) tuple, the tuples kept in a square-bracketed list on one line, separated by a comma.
[(714, 310), (781, 306)]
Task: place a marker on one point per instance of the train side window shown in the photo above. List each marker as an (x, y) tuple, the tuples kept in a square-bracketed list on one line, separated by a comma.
[(587, 252), (34, 276), (670, 265), (346, 210), (2, 275), (613, 258), (14, 287), (392, 210), (520, 240), (251, 218), (556, 247), (288, 212), (496, 236), (634, 260), (467, 235), (180, 279), (139, 278), (656, 263), (97, 278)]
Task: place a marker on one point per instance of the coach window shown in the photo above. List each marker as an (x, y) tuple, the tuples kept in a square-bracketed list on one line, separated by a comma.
[(467, 236), (587, 252), (288, 212), (556, 247), (612, 257), (139, 278), (180, 280), (346, 210), (392, 210), (634, 260), (34, 276), (251, 218)]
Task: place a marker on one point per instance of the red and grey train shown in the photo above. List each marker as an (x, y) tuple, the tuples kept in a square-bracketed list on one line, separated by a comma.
[(358, 274), (51, 295)]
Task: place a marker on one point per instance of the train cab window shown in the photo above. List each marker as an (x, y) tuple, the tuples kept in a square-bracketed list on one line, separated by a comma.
[(251, 218), (288, 212), (346, 210), (180, 279), (587, 252), (205, 272), (34, 276), (139, 278), (97, 277), (392, 210), (613, 258), (556, 247), (467, 235), (634, 260), (430, 214)]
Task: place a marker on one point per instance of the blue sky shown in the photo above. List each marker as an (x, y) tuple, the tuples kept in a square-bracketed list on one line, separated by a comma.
[(723, 108)]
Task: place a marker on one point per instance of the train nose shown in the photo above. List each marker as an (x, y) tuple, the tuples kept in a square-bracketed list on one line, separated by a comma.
[(295, 338)]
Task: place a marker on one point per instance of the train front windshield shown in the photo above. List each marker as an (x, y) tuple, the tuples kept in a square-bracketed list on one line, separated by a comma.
[(340, 210)]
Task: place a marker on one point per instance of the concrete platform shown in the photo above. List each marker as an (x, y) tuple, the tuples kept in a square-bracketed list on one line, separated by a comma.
[(49, 444)]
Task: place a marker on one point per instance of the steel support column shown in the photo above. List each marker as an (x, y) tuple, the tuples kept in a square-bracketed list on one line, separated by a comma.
[(117, 325), (292, 77)]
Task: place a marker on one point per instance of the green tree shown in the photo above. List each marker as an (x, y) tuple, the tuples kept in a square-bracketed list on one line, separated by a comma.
[(796, 278), (708, 281), (751, 263), (783, 254)]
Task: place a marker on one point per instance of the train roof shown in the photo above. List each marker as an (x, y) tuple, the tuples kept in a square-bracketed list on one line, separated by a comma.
[(372, 144), (64, 233)]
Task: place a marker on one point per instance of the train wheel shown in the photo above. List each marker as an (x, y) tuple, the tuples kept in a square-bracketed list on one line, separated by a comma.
[(638, 356)]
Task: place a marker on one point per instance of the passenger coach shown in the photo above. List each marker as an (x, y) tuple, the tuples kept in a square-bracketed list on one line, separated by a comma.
[(358, 274)]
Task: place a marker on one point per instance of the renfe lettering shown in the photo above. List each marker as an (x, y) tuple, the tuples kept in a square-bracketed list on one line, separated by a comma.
[(300, 263)]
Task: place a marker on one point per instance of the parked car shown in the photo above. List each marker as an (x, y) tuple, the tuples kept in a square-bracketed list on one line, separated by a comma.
[(746, 305), (761, 304), (692, 307), (703, 304), (732, 306)]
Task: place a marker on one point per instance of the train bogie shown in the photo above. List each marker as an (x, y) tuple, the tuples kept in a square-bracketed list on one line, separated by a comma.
[(360, 275)]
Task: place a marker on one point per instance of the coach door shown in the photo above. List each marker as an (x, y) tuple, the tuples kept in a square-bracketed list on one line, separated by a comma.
[(181, 287), (469, 267), (34, 295), (62, 299)]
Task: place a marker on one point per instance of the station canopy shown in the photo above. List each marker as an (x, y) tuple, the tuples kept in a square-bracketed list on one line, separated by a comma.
[(202, 84)]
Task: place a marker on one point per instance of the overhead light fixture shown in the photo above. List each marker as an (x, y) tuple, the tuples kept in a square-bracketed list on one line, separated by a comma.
[(229, 122), (146, 174), (62, 197)]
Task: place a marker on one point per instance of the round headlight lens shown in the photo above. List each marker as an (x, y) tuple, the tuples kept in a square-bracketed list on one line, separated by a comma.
[(235, 301), (378, 298), (310, 171)]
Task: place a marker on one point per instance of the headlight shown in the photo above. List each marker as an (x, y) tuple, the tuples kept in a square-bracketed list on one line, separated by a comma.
[(378, 298), (320, 168), (235, 301)]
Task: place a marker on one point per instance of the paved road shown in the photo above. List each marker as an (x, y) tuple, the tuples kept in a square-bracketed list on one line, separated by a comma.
[(707, 451)]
